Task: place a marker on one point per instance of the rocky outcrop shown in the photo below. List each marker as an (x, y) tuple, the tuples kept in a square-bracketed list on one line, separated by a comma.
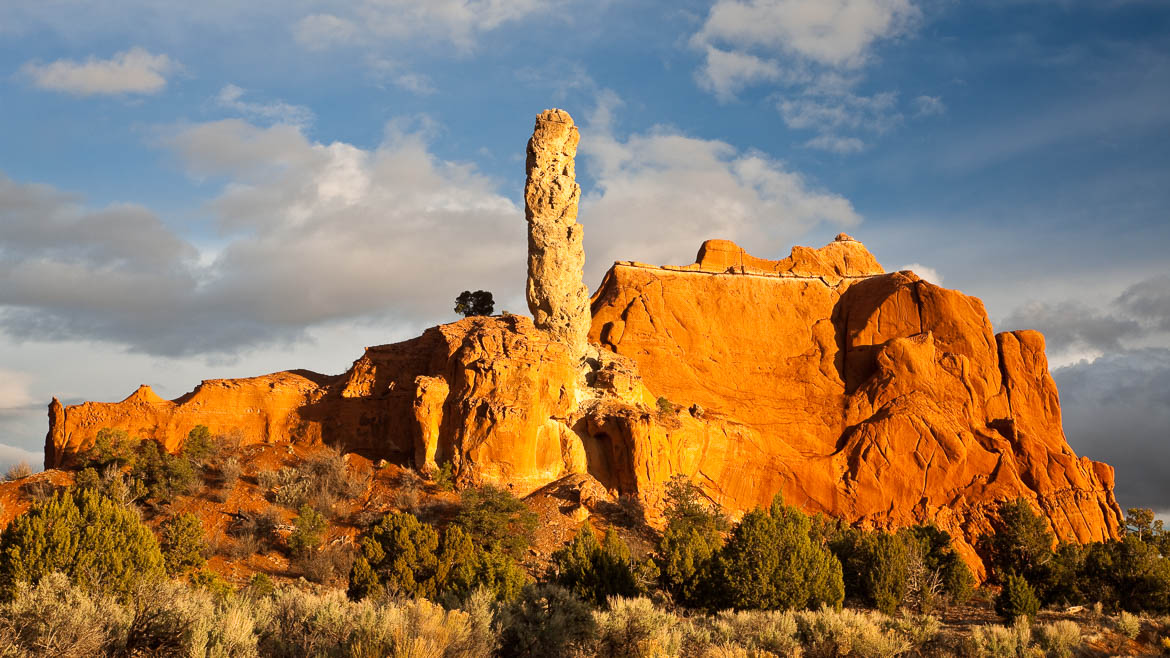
[(878, 398), (874, 397), (557, 296)]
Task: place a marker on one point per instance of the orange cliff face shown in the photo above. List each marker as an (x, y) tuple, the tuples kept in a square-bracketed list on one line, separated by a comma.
[(877, 398)]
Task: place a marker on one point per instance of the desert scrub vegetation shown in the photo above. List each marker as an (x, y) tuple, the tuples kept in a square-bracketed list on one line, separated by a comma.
[(320, 481), (90, 538), (404, 556)]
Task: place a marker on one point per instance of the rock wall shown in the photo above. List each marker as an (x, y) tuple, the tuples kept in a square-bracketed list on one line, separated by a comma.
[(557, 296), (878, 398)]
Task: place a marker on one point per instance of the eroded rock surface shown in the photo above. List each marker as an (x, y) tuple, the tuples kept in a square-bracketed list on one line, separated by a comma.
[(878, 398), (557, 296)]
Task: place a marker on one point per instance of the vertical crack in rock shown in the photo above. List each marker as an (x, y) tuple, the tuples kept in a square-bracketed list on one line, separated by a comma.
[(557, 295)]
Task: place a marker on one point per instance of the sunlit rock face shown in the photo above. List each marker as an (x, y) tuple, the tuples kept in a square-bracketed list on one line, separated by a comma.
[(878, 398)]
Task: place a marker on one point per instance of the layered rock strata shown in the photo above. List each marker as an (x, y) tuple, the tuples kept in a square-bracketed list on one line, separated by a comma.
[(557, 296)]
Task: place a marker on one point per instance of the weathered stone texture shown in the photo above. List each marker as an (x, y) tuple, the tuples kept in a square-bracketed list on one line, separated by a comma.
[(557, 296)]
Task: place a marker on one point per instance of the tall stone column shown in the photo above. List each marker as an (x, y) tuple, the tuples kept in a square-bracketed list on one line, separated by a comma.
[(557, 295)]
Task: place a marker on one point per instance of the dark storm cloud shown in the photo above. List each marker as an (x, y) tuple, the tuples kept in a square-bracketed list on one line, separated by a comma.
[(1117, 410)]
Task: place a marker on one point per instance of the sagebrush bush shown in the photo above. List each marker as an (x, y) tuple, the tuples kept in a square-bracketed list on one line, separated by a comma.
[(84, 535), (772, 631), (55, 618), (545, 621), (320, 480), (18, 471), (919, 629), (1128, 624), (1059, 639), (845, 632), (635, 628), (995, 641)]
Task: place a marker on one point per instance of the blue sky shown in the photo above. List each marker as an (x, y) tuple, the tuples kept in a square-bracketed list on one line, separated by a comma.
[(189, 192)]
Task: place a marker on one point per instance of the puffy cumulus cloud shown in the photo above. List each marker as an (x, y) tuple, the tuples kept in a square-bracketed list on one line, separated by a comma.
[(13, 455), (659, 194), (1116, 410), (231, 97), (457, 22), (928, 273), (835, 33), (725, 73), (135, 71), (310, 233)]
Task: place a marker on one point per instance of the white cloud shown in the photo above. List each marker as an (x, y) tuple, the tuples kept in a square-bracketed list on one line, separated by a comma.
[(390, 71), (836, 144), (726, 73), (659, 194), (835, 110), (311, 234), (835, 33), (928, 273), (135, 71), (457, 22), (14, 390), (811, 51), (231, 97), (929, 106)]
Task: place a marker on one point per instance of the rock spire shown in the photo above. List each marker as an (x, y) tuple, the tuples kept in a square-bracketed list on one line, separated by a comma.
[(557, 295)]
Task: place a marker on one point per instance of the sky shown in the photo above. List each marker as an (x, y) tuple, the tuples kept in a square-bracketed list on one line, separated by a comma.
[(192, 191)]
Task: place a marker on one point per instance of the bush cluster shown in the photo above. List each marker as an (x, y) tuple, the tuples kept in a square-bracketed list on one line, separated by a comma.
[(1130, 573), (403, 556)]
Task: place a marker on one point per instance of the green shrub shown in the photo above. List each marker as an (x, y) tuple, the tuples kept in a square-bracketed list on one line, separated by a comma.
[(1060, 639), (545, 621), (445, 477), (595, 571), (404, 556), (940, 557), (91, 539), (1019, 542), (693, 536), (771, 562), (183, 543), (883, 561), (1016, 599), (260, 586), (309, 531), (494, 518), (199, 446)]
